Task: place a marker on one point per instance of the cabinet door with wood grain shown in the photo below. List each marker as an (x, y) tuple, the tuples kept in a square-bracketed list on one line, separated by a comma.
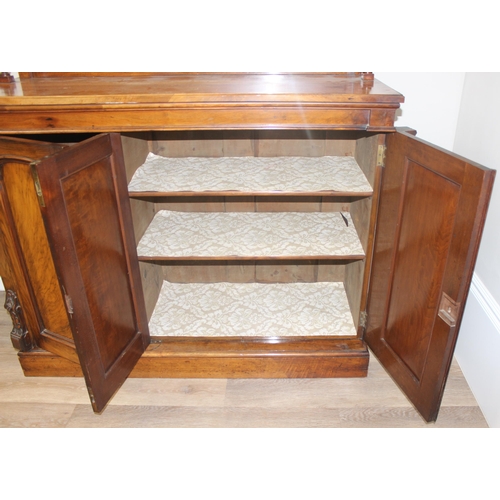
[(86, 211), (32, 292), (432, 210)]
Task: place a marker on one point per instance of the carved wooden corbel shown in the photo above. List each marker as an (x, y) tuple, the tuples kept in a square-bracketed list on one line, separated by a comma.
[(6, 77), (19, 334)]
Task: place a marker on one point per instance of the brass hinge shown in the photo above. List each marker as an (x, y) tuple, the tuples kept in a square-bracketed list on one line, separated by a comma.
[(69, 304), (381, 155), (38, 187), (68, 301), (91, 395)]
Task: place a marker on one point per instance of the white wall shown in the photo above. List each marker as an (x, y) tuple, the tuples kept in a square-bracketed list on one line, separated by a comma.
[(477, 137), (478, 347), (439, 92)]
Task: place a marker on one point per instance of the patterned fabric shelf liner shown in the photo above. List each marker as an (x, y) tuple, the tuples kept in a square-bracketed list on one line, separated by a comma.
[(252, 309), (250, 234), (251, 174)]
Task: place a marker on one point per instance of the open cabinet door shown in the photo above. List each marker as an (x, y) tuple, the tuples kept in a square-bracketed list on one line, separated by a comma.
[(432, 210), (32, 291), (87, 216)]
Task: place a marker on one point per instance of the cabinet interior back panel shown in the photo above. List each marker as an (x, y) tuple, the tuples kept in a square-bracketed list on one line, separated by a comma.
[(250, 235), (252, 309), (335, 174)]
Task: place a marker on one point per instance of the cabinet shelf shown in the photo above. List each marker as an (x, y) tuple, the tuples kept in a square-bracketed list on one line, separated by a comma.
[(323, 176), (250, 235), (252, 310)]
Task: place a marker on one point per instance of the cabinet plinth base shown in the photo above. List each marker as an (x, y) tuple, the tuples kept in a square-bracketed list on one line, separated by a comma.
[(227, 358)]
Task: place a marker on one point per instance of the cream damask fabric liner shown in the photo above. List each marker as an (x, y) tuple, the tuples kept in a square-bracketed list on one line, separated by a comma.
[(250, 174), (250, 234), (252, 309)]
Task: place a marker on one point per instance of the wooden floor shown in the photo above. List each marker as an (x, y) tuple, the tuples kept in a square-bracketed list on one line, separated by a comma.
[(374, 401)]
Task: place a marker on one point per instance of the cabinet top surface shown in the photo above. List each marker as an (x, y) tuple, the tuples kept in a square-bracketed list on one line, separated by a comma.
[(169, 88)]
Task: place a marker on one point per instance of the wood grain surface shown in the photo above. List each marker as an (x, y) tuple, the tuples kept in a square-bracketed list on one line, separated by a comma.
[(196, 101)]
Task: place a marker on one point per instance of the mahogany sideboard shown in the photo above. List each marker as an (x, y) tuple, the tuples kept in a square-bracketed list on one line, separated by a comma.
[(231, 225)]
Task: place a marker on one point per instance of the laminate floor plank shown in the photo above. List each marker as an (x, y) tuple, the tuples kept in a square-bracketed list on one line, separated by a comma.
[(398, 417), (230, 417), (43, 390), (171, 392), (150, 417), (312, 393), (234, 417), (457, 391), (21, 415)]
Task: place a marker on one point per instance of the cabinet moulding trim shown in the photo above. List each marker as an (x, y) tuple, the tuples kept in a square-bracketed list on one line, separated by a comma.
[(486, 301)]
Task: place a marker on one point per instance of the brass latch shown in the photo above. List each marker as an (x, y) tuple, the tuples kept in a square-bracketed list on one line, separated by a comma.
[(448, 310)]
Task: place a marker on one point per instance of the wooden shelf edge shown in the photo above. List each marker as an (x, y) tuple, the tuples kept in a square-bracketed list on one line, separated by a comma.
[(271, 258), (147, 195)]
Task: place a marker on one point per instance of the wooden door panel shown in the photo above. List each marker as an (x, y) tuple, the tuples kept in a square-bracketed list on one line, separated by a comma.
[(432, 210), (34, 247), (88, 221), (29, 269), (426, 225), (95, 232)]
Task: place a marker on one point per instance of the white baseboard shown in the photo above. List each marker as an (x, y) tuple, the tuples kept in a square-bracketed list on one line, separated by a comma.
[(486, 301), (478, 350)]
